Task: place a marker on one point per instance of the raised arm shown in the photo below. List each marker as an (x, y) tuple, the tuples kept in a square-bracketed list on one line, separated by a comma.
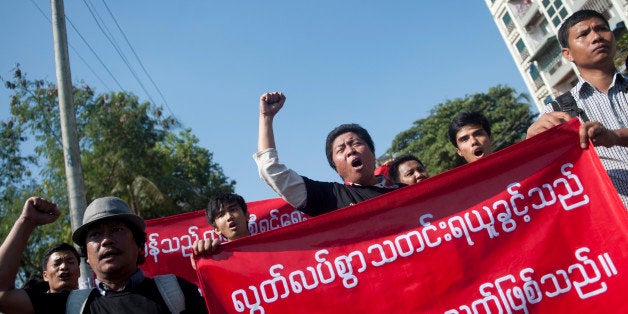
[(284, 181), (36, 212), (269, 105)]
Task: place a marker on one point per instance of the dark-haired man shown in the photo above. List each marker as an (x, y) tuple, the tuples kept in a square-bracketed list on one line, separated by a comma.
[(350, 151), (60, 266), (227, 213), (470, 133), (407, 169), (601, 94), (113, 239)]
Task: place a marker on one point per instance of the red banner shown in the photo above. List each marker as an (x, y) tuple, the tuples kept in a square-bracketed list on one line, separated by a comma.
[(536, 227), (169, 240)]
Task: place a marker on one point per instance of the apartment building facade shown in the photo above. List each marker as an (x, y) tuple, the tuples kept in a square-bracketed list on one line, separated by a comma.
[(529, 29)]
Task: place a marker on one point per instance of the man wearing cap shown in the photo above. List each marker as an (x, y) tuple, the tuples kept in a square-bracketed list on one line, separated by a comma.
[(113, 240)]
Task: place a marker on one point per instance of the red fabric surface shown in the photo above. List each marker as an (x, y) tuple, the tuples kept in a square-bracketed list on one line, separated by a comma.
[(169, 239), (536, 227)]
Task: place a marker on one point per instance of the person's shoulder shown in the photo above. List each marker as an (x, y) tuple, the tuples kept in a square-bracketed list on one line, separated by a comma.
[(39, 291), (182, 281), (310, 182), (194, 301), (44, 302), (187, 286)]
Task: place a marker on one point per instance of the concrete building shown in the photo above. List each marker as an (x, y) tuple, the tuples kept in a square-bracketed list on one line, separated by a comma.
[(529, 28)]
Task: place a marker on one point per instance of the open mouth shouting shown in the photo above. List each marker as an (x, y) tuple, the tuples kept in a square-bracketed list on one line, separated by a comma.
[(478, 152), (233, 226), (108, 254), (65, 276), (357, 163)]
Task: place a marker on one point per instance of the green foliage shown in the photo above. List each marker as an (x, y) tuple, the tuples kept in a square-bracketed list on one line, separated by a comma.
[(622, 51), (128, 149), (427, 139), (10, 208), (13, 166)]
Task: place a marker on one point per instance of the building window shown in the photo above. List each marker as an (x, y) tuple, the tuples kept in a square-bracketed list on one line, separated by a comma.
[(523, 51), (555, 11), (510, 25), (536, 77), (550, 60)]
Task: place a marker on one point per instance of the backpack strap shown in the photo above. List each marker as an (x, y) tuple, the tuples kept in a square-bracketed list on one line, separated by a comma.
[(567, 103), (171, 292), (77, 301)]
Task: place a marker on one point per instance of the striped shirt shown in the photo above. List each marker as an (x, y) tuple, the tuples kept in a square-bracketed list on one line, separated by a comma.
[(612, 111)]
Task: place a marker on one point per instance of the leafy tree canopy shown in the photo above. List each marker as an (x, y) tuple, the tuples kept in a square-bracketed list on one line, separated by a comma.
[(129, 149), (508, 112)]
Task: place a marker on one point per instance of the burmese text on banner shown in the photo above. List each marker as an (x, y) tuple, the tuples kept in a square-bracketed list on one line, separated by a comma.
[(536, 227), (169, 239)]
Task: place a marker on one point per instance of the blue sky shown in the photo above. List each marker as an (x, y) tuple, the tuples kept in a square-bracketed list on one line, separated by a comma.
[(381, 64)]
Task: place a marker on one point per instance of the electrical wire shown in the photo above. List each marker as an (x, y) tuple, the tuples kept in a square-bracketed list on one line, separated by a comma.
[(136, 56), (119, 52), (76, 51)]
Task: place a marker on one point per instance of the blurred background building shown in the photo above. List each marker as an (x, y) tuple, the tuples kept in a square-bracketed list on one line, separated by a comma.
[(529, 29)]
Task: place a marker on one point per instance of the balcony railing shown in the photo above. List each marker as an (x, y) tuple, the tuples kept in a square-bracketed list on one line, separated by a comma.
[(598, 5), (510, 26), (524, 53), (538, 82)]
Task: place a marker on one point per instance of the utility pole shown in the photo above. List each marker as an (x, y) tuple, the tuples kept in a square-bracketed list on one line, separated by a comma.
[(69, 134)]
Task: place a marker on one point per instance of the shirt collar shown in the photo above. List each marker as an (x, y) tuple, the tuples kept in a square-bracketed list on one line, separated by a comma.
[(584, 88), (133, 281), (380, 182)]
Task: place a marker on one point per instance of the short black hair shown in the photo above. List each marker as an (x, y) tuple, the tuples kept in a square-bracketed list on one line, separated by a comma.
[(362, 133), (58, 247), (575, 18), (465, 118), (393, 171), (213, 207)]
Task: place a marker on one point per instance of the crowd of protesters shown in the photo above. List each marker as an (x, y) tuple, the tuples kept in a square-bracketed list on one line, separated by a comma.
[(112, 238)]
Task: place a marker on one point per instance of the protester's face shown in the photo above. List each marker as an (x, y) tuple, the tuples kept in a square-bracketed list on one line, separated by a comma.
[(231, 221), (354, 160), (62, 271), (591, 44), (411, 172), (111, 249), (473, 142)]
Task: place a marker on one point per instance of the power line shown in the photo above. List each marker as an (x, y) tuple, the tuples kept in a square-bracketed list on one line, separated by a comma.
[(136, 56), (119, 52), (94, 52), (74, 49)]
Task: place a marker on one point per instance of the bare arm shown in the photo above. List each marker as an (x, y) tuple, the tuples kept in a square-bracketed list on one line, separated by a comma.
[(36, 212)]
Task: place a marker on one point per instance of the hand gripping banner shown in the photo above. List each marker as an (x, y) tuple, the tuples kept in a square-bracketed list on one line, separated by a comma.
[(534, 228), (169, 239)]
